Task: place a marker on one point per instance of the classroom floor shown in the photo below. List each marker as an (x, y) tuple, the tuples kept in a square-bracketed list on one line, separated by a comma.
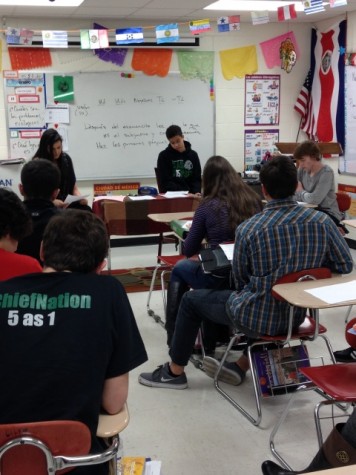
[(196, 431)]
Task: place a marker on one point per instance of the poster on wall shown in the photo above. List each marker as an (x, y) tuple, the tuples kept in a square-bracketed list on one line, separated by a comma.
[(257, 143), (262, 99), (25, 107)]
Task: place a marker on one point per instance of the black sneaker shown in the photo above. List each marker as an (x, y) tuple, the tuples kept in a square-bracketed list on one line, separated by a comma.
[(162, 378), (346, 356), (230, 373)]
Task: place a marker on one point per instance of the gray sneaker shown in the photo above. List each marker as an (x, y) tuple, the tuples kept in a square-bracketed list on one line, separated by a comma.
[(230, 373), (161, 378)]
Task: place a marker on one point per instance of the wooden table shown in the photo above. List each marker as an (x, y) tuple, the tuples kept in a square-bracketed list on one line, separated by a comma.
[(131, 217)]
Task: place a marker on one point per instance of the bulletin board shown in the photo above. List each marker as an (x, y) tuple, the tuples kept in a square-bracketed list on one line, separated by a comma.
[(116, 125)]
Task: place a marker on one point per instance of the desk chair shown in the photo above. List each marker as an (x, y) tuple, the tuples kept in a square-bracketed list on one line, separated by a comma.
[(344, 202), (336, 383), (44, 448), (309, 330)]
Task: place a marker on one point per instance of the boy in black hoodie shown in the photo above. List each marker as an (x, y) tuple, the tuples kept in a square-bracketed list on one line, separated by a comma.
[(39, 186), (178, 165)]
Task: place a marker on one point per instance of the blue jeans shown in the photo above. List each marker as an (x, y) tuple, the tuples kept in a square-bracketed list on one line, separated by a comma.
[(196, 306), (190, 272)]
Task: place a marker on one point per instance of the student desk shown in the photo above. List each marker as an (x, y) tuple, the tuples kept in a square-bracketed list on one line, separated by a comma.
[(130, 217), (297, 295)]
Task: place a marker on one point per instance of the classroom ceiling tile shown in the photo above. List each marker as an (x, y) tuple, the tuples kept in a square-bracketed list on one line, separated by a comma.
[(156, 11)]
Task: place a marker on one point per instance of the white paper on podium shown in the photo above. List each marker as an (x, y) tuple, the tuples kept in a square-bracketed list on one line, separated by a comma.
[(175, 194), (335, 293)]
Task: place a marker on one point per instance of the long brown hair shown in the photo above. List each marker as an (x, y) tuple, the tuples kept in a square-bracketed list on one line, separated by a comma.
[(221, 181)]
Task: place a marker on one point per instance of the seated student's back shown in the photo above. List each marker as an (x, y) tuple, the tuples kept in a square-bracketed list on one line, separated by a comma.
[(39, 185), (69, 338), (15, 224)]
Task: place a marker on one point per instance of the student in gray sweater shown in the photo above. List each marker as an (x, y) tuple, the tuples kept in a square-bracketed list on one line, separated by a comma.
[(316, 182)]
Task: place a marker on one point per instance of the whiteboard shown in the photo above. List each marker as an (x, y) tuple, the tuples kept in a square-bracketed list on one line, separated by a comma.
[(347, 164), (117, 124)]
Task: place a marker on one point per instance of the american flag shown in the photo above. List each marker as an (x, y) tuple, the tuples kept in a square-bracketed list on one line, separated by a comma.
[(304, 106)]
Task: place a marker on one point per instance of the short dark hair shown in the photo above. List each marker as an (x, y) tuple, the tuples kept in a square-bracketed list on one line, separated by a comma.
[(173, 131), (14, 218), (309, 147), (279, 177), (40, 178), (75, 241)]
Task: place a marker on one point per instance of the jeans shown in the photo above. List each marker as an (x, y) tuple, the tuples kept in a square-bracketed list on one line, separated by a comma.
[(196, 306), (190, 272)]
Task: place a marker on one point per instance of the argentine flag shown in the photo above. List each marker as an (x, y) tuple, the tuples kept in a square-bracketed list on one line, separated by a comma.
[(167, 33)]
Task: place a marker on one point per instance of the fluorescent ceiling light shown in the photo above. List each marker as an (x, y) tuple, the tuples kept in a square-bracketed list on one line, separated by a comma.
[(41, 3), (252, 5)]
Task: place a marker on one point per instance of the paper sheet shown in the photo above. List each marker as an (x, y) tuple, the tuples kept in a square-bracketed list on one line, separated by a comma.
[(72, 199), (228, 250), (110, 197), (175, 194), (335, 293), (141, 198)]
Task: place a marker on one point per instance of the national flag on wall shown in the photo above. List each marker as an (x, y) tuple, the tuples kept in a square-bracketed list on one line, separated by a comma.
[(18, 36), (55, 39), (327, 93), (228, 23), (94, 39), (199, 26), (129, 35), (286, 13), (337, 3), (304, 106), (258, 18), (167, 33), (313, 6)]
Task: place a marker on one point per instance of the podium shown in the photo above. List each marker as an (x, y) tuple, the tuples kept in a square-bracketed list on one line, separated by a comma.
[(326, 148)]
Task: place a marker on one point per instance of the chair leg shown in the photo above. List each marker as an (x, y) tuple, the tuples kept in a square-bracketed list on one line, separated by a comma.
[(150, 312), (232, 401), (348, 314)]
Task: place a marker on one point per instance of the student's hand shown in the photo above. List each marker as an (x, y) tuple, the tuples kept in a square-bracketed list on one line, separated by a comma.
[(59, 203), (83, 202)]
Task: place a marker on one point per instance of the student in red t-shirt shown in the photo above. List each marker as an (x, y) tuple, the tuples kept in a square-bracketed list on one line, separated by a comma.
[(15, 223)]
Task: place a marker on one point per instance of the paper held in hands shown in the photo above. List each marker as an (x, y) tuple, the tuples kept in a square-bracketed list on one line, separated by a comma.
[(72, 199)]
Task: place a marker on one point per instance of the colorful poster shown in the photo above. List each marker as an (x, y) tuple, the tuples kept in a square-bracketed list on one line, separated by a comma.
[(262, 99), (257, 143)]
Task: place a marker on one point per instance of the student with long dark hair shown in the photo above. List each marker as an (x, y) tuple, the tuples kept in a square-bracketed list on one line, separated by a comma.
[(226, 202), (50, 148)]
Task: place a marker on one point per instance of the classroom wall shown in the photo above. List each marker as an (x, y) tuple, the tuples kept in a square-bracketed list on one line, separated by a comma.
[(229, 95)]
